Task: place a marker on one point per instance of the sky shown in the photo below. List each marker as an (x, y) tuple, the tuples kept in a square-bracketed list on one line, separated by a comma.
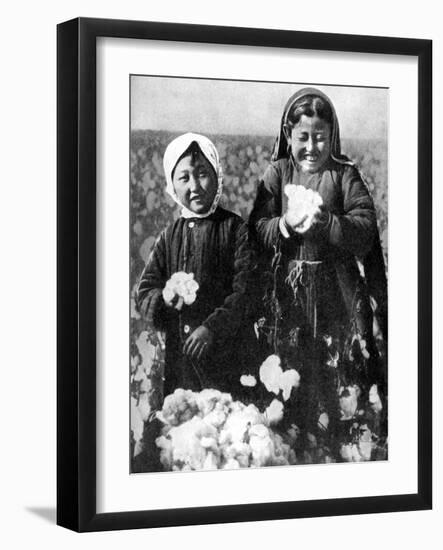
[(240, 107)]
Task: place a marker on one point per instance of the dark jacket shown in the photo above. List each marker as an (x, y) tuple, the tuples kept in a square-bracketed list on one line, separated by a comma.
[(351, 226), (347, 228), (216, 250)]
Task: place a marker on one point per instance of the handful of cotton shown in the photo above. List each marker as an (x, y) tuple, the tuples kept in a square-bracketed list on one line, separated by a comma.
[(180, 288), (303, 204)]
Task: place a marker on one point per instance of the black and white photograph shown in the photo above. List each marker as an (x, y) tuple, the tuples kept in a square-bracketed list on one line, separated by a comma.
[(259, 257), (227, 219)]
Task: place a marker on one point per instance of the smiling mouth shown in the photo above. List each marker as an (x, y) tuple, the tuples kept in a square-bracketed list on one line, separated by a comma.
[(310, 158)]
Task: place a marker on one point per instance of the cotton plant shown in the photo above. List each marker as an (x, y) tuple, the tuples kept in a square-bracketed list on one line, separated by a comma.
[(208, 430), (302, 204), (275, 380), (181, 287)]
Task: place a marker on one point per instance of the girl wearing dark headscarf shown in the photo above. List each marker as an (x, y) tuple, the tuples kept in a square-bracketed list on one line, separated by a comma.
[(322, 268)]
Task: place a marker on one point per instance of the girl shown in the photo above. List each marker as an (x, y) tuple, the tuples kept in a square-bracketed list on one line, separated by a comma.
[(207, 335), (317, 313)]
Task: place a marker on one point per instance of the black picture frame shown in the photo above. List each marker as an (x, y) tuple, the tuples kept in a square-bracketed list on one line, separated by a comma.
[(76, 277)]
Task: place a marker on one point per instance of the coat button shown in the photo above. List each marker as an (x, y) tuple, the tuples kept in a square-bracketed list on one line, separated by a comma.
[(191, 224), (186, 329)]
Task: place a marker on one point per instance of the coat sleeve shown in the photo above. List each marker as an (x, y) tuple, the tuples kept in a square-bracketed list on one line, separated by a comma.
[(355, 229), (227, 320), (148, 295), (266, 214)]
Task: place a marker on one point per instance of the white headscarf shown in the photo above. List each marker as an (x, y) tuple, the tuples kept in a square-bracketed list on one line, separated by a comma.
[(175, 150)]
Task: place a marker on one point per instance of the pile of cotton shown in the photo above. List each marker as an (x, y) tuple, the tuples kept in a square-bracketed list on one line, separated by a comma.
[(209, 431)]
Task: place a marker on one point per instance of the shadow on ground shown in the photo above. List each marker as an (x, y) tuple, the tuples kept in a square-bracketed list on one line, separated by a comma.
[(49, 514)]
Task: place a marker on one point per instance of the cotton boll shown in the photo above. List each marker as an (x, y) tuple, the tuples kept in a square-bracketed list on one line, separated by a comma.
[(374, 399), (178, 407), (189, 298), (216, 418), (364, 351), (244, 457), (270, 373), (302, 203), (356, 456), (228, 450), (365, 443), (225, 438), (252, 414), (248, 380), (165, 446), (274, 413), (168, 294), (267, 447), (240, 451), (283, 454), (226, 399), (348, 398), (186, 448), (236, 406), (323, 421), (183, 285), (192, 286), (237, 422), (206, 400), (186, 444), (346, 452), (259, 430), (208, 442), (288, 380), (261, 445)]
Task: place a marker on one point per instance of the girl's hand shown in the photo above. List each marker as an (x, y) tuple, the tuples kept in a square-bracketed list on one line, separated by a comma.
[(198, 343), (293, 221), (319, 220), (174, 301)]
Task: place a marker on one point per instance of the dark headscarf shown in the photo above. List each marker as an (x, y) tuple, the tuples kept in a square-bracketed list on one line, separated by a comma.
[(281, 148), (373, 262)]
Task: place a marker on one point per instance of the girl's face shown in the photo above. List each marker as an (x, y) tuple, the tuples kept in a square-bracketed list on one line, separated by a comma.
[(310, 141), (195, 183)]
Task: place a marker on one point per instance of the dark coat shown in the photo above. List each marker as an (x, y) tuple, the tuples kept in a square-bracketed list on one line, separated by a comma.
[(347, 228), (216, 250)]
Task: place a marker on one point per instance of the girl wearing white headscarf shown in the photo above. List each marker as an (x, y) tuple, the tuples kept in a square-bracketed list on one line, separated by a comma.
[(206, 341)]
